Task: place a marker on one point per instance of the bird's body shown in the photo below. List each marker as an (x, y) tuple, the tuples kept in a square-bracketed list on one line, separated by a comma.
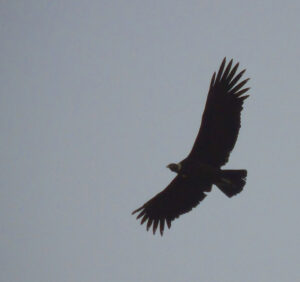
[(199, 169), (196, 169), (202, 167)]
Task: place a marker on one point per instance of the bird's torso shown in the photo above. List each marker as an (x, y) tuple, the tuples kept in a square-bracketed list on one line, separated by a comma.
[(196, 169)]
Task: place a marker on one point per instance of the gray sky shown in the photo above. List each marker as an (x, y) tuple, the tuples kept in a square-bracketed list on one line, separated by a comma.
[(97, 97)]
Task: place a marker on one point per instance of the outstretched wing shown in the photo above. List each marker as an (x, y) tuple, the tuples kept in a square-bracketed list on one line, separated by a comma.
[(180, 196), (221, 119)]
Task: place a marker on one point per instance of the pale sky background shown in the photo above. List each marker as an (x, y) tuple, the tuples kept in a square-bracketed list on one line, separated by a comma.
[(97, 97)]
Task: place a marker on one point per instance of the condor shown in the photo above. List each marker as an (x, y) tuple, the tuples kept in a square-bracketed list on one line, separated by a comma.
[(201, 169)]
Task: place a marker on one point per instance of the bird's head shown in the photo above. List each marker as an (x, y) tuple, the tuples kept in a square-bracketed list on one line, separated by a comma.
[(174, 167)]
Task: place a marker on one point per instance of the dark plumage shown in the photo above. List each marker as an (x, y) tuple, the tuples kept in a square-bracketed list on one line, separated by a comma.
[(201, 169)]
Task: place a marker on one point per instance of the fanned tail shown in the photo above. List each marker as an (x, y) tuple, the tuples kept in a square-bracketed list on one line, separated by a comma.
[(232, 181)]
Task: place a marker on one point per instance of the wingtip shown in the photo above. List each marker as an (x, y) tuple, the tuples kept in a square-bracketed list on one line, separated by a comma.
[(227, 70), (168, 223), (155, 225), (161, 232), (135, 211), (162, 226), (212, 80), (144, 219), (244, 97), (241, 92), (221, 69), (140, 214), (149, 223)]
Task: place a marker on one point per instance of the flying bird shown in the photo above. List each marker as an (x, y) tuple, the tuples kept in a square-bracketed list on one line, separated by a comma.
[(221, 121)]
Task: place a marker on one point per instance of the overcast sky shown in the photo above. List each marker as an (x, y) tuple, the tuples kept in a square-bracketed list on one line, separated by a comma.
[(97, 97)]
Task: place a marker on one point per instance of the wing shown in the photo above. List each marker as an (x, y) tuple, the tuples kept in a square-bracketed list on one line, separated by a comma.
[(180, 196), (221, 119)]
